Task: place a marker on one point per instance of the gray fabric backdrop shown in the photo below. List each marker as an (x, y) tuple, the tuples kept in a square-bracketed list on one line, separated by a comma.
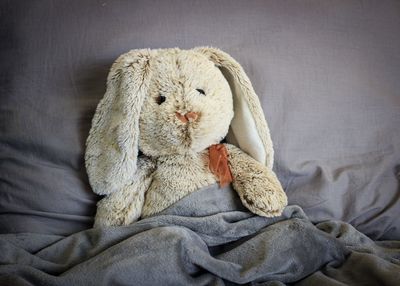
[(327, 74)]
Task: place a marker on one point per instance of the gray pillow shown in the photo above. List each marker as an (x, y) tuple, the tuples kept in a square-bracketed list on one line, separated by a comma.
[(326, 74)]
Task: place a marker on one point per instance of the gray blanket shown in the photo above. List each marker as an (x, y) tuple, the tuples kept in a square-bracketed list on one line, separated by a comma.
[(208, 238)]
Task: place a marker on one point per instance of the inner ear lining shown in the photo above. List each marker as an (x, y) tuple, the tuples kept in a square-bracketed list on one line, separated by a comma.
[(243, 131)]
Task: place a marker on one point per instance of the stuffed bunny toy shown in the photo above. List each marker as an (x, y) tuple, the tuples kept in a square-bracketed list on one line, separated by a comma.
[(156, 135)]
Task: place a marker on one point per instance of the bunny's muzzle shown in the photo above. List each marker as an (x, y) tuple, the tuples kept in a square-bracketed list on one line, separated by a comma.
[(189, 116)]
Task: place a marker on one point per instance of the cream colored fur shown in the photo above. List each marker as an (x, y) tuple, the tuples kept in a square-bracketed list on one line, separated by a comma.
[(258, 187), (148, 94)]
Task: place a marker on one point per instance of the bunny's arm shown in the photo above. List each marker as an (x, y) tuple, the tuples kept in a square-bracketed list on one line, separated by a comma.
[(125, 205), (257, 186)]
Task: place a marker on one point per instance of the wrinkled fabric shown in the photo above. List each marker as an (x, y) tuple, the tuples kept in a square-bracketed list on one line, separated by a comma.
[(208, 238)]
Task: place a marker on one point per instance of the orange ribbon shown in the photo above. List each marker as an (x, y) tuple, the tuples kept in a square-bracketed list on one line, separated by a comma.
[(218, 164)]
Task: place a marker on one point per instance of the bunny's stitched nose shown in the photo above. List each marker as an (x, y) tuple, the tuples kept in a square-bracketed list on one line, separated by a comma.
[(190, 116)]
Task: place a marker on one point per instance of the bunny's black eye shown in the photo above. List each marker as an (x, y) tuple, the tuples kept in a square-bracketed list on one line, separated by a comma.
[(201, 91), (160, 99)]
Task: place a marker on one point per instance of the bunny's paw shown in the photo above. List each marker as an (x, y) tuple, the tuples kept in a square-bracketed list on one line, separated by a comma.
[(264, 201), (120, 208)]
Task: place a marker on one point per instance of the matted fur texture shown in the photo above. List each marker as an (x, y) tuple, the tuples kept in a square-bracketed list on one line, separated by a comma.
[(171, 105)]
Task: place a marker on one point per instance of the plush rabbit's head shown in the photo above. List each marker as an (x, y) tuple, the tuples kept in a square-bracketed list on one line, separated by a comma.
[(188, 106), (172, 101)]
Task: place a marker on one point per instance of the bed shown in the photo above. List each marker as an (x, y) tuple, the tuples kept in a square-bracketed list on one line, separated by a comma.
[(327, 76)]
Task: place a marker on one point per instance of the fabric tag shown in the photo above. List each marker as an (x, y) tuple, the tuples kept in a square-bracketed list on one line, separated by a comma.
[(218, 164)]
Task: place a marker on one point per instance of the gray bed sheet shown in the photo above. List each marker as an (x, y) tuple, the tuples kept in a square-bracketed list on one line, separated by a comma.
[(326, 73), (208, 238)]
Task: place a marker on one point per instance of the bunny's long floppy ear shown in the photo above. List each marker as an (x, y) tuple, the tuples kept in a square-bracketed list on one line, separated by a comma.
[(249, 130), (112, 145)]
